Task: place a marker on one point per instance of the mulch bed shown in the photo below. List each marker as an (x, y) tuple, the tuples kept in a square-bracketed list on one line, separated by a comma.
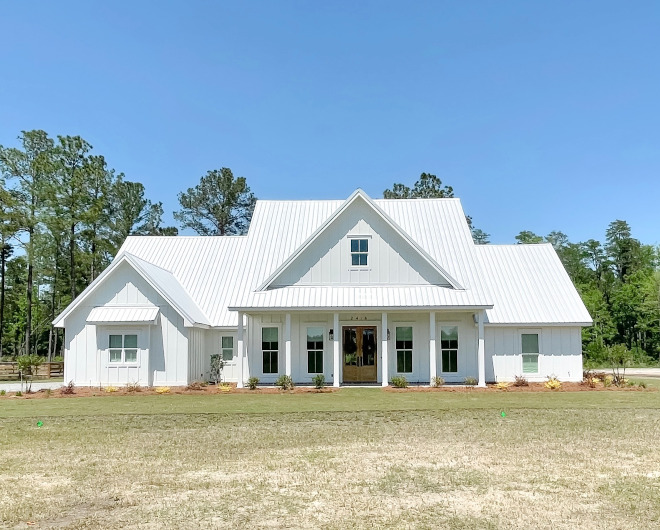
[(530, 387)]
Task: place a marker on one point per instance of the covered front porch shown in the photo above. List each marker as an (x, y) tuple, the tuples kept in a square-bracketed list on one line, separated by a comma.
[(361, 346)]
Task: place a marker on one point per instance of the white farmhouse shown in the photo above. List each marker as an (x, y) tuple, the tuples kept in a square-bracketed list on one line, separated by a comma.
[(358, 290)]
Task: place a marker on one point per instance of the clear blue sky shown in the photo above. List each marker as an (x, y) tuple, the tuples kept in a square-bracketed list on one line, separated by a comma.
[(541, 115)]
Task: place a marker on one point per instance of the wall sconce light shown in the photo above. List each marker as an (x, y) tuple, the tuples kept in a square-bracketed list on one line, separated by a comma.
[(388, 334), (331, 335)]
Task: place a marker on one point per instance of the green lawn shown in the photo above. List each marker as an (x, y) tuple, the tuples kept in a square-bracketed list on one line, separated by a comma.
[(358, 458)]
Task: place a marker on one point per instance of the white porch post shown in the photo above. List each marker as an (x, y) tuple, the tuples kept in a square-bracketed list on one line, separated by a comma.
[(386, 380), (335, 349), (432, 349), (287, 344), (239, 350), (481, 350)]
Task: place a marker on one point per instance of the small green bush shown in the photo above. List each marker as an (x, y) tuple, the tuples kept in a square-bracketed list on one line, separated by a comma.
[(18, 394), (471, 381), (2, 392), (438, 381), (318, 380), (252, 383), (399, 381), (58, 359), (285, 382)]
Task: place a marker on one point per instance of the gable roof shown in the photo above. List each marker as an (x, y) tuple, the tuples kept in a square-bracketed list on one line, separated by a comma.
[(163, 281), (529, 285), (356, 196)]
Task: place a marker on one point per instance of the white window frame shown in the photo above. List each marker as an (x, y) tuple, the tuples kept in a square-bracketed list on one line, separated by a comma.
[(367, 238), (458, 349), (280, 340), (123, 361), (396, 351), (233, 348), (531, 331), (323, 326)]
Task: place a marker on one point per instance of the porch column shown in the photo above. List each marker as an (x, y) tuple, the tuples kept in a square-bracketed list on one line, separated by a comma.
[(335, 349), (386, 380), (432, 349), (481, 349), (239, 350), (287, 344)]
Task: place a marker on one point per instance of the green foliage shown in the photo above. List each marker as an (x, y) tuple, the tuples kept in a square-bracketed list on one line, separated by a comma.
[(3, 392), (219, 205), (399, 381), (437, 381), (318, 380), (28, 364), (285, 382), (217, 364), (528, 238), (18, 393), (252, 383), (471, 381)]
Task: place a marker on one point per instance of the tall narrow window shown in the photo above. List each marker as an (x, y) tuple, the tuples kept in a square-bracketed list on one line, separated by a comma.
[(449, 348), (359, 251), (270, 349), (123, 348), (315, 350), (228, 349), (530, 353), (404, 347)]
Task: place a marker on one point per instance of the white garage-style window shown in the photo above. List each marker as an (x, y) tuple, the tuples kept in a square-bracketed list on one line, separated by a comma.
[(315, 350), (449, 348), (530, 352), (404, 349), (123, 348), (270, 349), (227, 348)]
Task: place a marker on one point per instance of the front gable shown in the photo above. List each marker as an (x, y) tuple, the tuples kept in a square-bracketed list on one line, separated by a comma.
[(359, 245)]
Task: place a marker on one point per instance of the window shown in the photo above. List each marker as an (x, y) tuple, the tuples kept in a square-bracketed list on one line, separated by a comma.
[(530, 353), (315, 350), (449, 348), (227, 349), (270, 349), (123, 348), (404, 346), (359, 251)]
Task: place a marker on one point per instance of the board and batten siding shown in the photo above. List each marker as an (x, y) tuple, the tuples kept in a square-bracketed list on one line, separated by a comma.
[(166, 342), (560, 353), (391, 259)]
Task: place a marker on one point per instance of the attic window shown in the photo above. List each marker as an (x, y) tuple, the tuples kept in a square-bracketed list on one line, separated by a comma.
[(359, 251)]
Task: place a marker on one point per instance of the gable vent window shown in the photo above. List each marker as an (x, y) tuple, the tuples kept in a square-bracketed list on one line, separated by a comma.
[(359, 251)]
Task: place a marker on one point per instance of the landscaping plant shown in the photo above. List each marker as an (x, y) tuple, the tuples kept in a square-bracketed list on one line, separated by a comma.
[(318, 380), (437, 381), (399, 381), (285, 382), (252, 383)]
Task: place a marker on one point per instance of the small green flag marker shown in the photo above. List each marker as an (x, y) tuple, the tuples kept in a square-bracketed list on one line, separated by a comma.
[(503, 414), (40, 423)]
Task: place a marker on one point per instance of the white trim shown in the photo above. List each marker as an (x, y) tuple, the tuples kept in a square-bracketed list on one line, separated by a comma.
[(529, 331), (303, 329), (260, 358), (411, 325)]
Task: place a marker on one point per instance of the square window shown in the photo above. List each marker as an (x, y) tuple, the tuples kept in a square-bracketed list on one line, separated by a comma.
[(130, 356), (270, 362), (450, 361), (115, 341), (130, 341), (115, 356), (315, 362), (359, 252)]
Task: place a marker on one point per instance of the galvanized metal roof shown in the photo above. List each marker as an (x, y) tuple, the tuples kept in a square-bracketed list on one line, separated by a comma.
[(529, 285), (120, 314)]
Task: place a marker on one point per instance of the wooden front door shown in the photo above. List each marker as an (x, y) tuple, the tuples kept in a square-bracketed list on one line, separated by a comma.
[(360, 354)]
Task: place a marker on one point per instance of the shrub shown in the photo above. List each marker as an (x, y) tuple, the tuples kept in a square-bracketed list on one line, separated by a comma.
[(252, 383), (399, 381), (553, 383), (196, 385), (318, 380), (48, 392), (641, 384), (111, 389), (503, 385), (133, 387), (520, 380), (217, 364), (620, 358), (58, 359), (224, 387), (607, 380), (437, 381), (285, 382), (68, 389), (471, 381), (163, 390), (2, 392), (18, 394)]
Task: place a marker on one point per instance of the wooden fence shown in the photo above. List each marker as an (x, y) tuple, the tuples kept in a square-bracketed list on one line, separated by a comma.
[(44, 371)]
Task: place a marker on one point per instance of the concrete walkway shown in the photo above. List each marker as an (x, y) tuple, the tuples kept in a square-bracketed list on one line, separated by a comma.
[(37, 385)]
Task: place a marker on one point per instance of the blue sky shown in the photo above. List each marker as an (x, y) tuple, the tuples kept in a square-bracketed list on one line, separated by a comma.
[(541, 115)]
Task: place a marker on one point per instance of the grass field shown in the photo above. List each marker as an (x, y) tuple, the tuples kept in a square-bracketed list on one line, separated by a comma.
[(358, 458)]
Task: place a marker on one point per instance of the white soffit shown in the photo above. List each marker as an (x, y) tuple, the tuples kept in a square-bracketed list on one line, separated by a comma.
[(123, 315)]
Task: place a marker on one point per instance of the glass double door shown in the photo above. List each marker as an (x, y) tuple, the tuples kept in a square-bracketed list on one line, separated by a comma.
[(360, 354)]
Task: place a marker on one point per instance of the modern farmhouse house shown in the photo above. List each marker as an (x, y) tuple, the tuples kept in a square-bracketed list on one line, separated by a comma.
[(359, 290)]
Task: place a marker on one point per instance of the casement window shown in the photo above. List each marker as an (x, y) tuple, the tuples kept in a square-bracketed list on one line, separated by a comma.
[(359, 252), (530, 352), (227, 344), (404, 347), (315, 350), (449, 348), (123, 348), (270, 349)]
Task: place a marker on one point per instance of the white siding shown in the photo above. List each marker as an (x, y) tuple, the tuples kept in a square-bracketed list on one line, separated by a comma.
[(560, 353), (467, 346), (198, 369)]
